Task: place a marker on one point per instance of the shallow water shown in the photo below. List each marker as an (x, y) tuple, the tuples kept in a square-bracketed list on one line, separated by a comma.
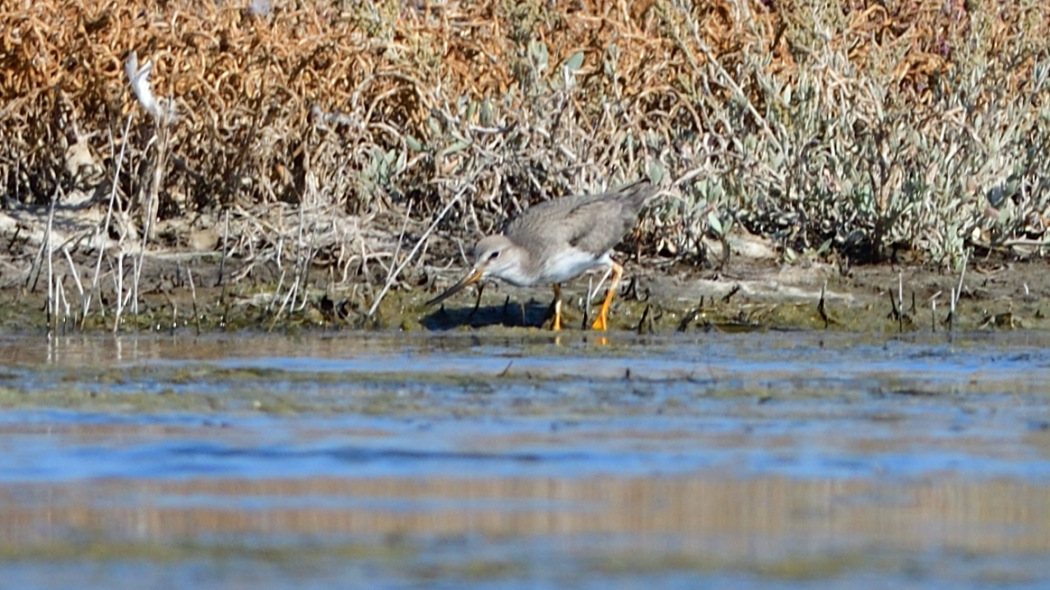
[(511, 458)]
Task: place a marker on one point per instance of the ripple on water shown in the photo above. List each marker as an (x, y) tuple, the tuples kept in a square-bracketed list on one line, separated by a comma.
[(527, 460)]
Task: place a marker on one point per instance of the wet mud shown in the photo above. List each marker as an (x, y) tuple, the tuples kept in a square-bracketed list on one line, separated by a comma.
[(749, 295)]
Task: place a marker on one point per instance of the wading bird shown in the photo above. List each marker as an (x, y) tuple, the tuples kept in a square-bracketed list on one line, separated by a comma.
[(557, 240)]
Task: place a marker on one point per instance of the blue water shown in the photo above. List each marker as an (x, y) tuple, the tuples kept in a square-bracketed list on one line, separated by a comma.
[(218, 455)]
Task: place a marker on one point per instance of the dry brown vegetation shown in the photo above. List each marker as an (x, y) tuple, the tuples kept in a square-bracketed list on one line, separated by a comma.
[(853, 129)]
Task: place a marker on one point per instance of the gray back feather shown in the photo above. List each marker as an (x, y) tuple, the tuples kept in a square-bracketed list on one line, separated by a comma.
[(594, 223)]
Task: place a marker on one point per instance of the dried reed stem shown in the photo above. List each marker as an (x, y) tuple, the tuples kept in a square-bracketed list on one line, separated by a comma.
[(103, 231), (193, 293), (118, 281), (422, 239)]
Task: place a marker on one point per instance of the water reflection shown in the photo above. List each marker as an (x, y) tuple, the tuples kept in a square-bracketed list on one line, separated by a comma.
[(764, 517), (720, 458)]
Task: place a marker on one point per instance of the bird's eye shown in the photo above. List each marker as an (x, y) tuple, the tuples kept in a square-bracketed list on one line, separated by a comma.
[(494, 255)]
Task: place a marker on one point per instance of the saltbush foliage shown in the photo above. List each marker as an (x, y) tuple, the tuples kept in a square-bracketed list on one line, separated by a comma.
[(855, 128)]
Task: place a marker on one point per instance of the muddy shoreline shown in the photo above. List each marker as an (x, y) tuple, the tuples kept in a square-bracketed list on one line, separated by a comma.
[(208, 274), (747, 295)]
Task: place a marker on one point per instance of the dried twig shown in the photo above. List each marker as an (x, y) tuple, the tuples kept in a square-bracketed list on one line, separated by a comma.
[(101, 245), (423, 238), (193, 293)]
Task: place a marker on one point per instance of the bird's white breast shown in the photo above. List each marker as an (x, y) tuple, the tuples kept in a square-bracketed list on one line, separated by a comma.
[(569, 264)]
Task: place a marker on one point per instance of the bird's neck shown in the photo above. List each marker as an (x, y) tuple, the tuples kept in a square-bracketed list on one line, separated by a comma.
[(522, 274)]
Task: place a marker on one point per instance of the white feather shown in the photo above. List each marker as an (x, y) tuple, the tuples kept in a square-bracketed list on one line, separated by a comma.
[(139, 78)]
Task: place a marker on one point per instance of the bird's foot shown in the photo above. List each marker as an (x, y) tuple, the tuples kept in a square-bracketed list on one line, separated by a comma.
[(556, 322), (602, 323)]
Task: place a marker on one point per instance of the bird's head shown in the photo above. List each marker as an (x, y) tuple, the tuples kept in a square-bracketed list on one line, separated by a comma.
[(494, 256)]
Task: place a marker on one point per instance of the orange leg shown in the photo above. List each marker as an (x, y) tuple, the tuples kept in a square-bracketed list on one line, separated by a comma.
[(556, 324), (602, 323)]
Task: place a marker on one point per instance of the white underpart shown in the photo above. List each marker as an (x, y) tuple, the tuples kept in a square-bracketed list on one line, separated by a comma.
[(512, 264), (572, 263)]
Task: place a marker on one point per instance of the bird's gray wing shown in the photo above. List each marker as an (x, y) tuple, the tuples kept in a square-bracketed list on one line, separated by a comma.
[(594, 223)]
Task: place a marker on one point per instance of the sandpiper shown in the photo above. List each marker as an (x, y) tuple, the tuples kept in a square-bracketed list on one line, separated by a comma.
[(557, 240)]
